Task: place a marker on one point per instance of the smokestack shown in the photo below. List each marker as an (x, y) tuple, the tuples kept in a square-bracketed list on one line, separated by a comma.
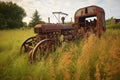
[(71, 19), (48, 19), (63, 19)]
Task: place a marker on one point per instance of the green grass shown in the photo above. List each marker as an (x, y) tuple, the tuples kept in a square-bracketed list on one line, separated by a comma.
[(88, 59)]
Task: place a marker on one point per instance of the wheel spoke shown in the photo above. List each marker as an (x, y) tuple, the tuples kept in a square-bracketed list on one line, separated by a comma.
[(42, 49), (27, 45)]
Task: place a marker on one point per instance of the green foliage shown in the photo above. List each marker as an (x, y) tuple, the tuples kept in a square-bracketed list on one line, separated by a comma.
[(114, 26), (111, 25), (11, 15), (35, 19), (24, 24)]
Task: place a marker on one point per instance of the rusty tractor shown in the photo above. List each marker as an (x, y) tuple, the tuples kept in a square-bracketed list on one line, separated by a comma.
[(87, 20)]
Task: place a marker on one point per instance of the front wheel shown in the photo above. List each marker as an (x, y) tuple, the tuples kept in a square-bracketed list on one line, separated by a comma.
[(42, 49), (28, 44)]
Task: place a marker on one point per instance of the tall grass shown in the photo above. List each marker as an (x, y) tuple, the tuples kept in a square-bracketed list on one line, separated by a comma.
[(10, 41), (88, 59)]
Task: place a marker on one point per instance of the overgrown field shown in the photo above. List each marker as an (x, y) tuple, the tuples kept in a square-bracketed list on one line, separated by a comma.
[(89, 59)]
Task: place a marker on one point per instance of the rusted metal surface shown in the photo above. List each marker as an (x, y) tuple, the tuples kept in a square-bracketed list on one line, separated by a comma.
[(50, 35), (44, 28), (54, 31), (98, 24), (45, 46)]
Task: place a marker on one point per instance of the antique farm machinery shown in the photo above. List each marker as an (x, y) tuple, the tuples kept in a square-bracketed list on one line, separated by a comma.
[(87, 20)]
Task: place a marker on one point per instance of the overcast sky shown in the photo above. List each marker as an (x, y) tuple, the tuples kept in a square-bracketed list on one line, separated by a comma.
[(46, 7)]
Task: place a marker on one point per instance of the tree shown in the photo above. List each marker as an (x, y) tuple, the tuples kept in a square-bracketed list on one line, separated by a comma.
[(11, 15), (35, 19)]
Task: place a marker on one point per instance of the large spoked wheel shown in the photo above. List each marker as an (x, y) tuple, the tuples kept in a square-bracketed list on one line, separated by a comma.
[(42, 49), (27, 45)]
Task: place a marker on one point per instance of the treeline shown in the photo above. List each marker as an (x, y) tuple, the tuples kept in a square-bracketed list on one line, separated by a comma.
[(11, 16), (35, 19)]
